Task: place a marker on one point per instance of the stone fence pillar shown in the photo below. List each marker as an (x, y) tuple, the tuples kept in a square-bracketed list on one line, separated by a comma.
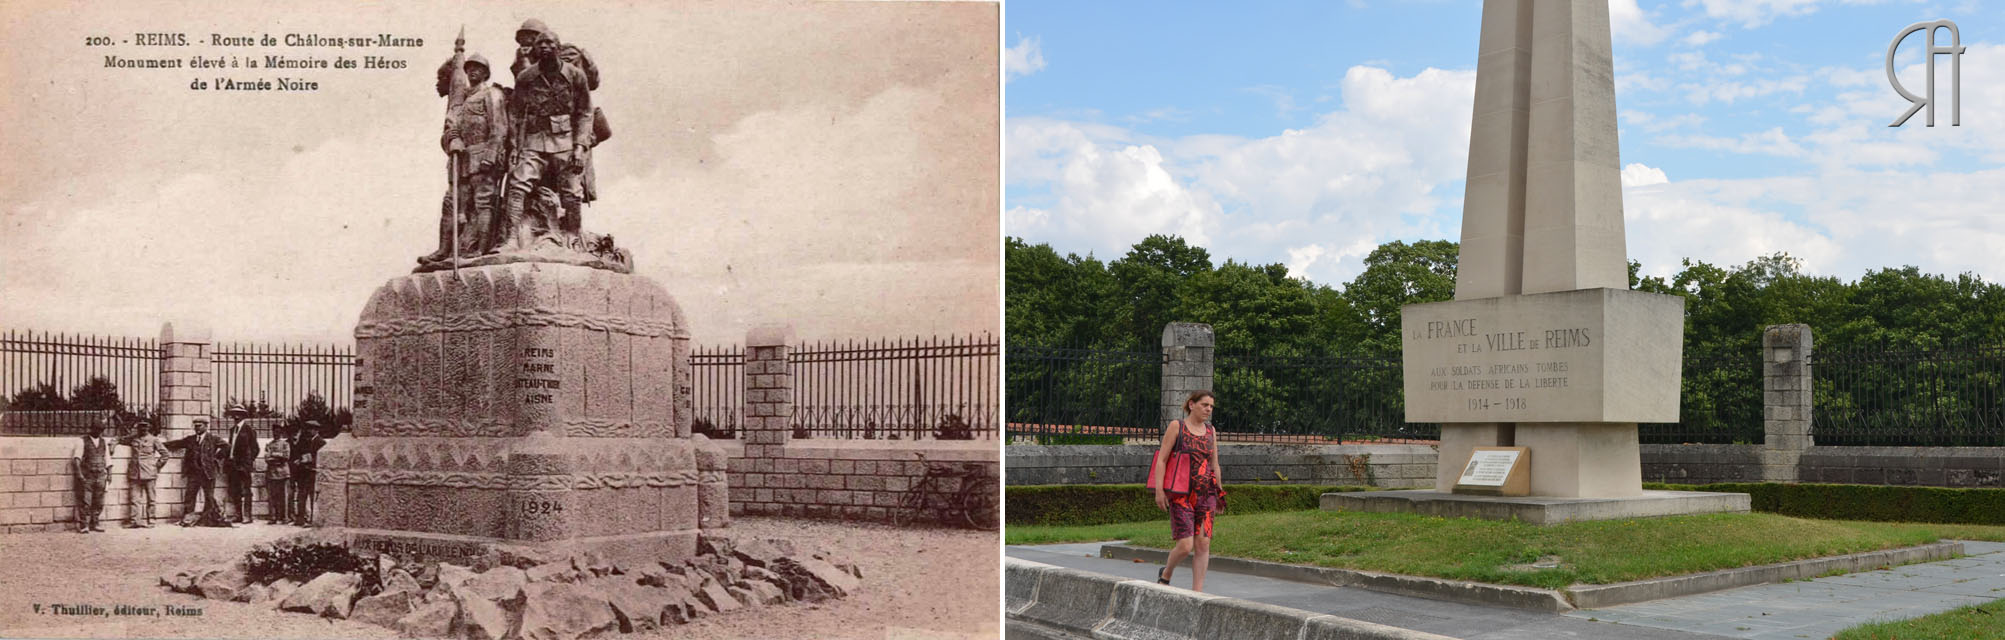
[(769, 392), (186, 377), (1786, 400), (1187, 357)]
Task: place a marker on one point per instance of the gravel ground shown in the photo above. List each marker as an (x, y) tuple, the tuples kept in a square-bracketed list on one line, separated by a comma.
[(917, 583)]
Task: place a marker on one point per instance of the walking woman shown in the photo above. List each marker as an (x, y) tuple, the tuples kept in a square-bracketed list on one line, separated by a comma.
[(1190, 443)]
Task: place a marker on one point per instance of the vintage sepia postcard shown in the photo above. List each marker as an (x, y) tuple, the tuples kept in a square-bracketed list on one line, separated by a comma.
[(500, 320)]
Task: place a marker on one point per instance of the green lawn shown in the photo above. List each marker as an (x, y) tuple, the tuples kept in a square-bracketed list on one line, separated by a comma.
[(1976, 622), (1485, 551)]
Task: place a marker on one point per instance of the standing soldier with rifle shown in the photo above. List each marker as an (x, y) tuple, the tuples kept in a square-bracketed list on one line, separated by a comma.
[(552, 109), (571, 54)]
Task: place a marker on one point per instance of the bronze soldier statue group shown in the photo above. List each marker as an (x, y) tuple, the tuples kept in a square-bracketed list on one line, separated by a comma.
[(207, 459), (520, 159)]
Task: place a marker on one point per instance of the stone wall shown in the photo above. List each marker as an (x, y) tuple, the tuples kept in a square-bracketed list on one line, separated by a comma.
[(1956, 467), (848, 480), (1702, 463), (38, 492), (1926, 466), (1401, 466), (773, 474)]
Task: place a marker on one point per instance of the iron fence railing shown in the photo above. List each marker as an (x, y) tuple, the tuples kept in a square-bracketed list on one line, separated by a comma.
[(896, 388), (930, 388), (1314, 398), (1072, 391), (281, 376), (1952, 396), (1720, 402), (62, 423), (718, 390), (46, 371)]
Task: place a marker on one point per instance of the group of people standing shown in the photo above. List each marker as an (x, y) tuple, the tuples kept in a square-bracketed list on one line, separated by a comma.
[(288, 461)]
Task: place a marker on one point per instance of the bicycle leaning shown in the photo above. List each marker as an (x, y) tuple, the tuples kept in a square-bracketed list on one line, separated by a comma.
[(973, 505)]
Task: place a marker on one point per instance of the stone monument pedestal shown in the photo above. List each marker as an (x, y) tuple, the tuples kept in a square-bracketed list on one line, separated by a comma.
[(531, 407), (1544, 348)]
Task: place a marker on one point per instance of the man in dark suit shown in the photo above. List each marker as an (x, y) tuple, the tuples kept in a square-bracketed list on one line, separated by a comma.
[(200, 468), (305, 450), (91, 463), (243, 460)]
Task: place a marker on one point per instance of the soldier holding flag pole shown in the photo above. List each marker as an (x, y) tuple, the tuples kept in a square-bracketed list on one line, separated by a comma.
[(476, 129)]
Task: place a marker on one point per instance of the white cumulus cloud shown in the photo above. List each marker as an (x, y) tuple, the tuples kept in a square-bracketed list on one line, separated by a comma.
[(1629, 23), (1700, 38), (1025, 58), (1315, 198), (1636, 174)]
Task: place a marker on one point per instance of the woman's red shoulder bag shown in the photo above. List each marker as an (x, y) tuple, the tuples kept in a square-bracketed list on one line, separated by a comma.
[(1176, 472)]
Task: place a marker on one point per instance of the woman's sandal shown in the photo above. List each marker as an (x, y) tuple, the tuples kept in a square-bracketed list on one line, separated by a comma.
[(1163, 577)]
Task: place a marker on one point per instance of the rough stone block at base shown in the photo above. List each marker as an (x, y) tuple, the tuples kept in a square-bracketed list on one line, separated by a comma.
[(637, 550), (1535, 509)]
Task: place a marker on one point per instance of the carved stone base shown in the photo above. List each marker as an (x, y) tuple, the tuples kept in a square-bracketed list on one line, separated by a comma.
[(536, 405)]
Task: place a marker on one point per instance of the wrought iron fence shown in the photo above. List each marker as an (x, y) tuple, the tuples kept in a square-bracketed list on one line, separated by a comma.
[(718, 390), (281, 376), (45, 371), (1720, 402), (1952, 396), (885, 389), (1064, 392), (1313, 398), (922, 388), (61, 423)]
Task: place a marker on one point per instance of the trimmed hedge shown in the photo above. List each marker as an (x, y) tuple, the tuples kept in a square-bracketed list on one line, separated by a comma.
[(1073, 505), (1865, 501)]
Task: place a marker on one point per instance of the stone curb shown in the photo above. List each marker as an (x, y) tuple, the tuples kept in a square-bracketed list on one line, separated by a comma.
[(1608, 595), (1530, 598), (1142, 609), (1577, 596)]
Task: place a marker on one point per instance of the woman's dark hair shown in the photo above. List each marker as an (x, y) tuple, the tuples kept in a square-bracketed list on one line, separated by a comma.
[(1195, 396)]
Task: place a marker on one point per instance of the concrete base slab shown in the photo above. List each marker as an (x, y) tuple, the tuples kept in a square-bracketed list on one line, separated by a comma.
[(1537, 509)]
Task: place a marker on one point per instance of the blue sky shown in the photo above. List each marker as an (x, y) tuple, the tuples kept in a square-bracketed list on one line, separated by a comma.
[(1306, 133)]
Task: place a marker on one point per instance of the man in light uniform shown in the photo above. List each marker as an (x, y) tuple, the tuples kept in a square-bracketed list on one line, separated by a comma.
[(476, 134)]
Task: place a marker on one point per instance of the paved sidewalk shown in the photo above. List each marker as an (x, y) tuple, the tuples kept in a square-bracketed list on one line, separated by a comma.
[(1473, 622), (1817, 608)]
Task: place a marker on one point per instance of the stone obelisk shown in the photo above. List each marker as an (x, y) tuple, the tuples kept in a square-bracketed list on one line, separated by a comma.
[(1568, 374)]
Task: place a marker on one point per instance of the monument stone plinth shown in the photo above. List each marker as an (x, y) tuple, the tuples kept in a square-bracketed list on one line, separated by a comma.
[(538, 406), (1544, 346)]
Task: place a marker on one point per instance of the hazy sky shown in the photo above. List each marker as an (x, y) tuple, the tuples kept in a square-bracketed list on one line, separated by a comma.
[(834, 165), (1308, 132)]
